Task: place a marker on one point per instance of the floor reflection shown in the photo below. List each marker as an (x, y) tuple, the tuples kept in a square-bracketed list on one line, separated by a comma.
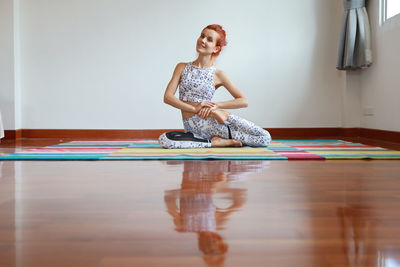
[(363, 233), (357, 234), (206, 199), (7, 214)]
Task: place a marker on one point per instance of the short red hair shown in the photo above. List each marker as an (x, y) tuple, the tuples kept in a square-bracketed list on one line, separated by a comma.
[(221, 42)]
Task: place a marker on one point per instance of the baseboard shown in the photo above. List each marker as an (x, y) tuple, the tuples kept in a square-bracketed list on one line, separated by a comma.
[(304, 133), (95, 134), (277, 133), (349, 132), (12, 134), (389, 136), (155, 133)]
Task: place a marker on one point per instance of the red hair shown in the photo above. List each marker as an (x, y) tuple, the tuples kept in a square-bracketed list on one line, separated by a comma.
[(221, 42)]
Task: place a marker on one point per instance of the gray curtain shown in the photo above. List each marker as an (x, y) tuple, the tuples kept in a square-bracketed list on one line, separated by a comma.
[(355, 38)]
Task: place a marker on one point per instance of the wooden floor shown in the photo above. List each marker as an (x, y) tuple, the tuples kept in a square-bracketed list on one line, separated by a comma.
[(198, 213)]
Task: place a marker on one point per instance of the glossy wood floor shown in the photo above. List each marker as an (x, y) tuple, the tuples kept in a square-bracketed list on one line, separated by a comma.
[(198, 213)]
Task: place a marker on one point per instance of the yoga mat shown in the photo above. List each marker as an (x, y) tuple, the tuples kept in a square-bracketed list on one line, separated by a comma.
[(318, 149)]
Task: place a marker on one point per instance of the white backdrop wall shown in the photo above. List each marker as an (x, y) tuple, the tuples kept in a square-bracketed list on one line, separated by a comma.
[(380, 83), (90, 64), (8, 100)]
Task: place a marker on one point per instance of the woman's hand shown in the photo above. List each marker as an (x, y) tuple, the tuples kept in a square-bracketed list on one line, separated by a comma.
[(205, 104), (205, 112)]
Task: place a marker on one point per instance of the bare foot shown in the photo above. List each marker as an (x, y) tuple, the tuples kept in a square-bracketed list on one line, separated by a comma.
[(217, 141), (220, 115)]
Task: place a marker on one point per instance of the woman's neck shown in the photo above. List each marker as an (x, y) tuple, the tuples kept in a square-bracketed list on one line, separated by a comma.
[(203, 61)]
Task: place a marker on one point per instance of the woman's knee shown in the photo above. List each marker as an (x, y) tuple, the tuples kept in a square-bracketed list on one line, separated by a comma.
[(165, 142), (269, 138), (266, 139)]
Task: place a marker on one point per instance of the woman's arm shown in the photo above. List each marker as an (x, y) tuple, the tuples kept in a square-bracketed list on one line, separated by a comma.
[(169, 95), (170, 198), (239, 101), (171, 99)]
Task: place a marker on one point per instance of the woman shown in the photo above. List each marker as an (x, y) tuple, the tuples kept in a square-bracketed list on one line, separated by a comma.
[(205, 119)]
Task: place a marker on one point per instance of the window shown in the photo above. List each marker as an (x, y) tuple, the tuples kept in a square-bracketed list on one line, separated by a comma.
[(389, 9), (392, 8)]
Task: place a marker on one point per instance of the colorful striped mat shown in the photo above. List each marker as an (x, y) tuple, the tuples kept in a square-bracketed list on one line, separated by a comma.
[(150, 149)]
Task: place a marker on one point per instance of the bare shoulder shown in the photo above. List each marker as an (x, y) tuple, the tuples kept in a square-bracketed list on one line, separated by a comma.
[(179, 69), (221, 75), (181, 66)]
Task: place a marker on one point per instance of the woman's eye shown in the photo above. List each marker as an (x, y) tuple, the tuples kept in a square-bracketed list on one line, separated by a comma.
[(209, 39)]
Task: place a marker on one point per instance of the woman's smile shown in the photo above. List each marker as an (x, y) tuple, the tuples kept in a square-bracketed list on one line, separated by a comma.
[(207, 41)]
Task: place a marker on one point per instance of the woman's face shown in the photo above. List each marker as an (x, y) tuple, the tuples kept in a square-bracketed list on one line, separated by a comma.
[(207, 42)]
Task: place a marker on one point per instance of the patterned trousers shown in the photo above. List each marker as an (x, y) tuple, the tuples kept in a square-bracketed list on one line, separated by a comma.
[(240, 129)]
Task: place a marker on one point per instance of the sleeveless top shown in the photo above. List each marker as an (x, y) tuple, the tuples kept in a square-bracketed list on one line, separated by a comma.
[(198, 213), (196, 84)]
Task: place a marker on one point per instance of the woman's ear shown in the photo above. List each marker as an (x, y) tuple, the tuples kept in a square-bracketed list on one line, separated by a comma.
[(217, 48)]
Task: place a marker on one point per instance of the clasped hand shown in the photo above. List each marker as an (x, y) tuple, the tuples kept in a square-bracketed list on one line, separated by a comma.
[(205, 108)]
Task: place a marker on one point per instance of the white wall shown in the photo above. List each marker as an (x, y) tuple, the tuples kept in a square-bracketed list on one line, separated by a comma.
[(380, 83), (351, 100), (9, 100), (90, 64)]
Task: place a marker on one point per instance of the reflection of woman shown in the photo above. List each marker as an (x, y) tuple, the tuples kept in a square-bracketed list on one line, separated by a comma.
[(197, 83), (197, 212)]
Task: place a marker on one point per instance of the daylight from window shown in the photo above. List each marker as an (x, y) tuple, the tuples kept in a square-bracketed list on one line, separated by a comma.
[(392, 8)]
